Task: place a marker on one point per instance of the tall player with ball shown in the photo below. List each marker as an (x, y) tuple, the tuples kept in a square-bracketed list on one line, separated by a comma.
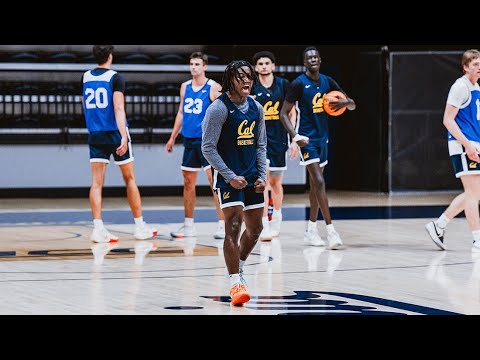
[(310, 92)]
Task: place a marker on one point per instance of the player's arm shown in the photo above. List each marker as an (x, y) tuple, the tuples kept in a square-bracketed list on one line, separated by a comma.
[(293, 94), (215, 91), (177, 126), (261, 145), (349, 103), (120, 115), (293, 145), (212, 124)]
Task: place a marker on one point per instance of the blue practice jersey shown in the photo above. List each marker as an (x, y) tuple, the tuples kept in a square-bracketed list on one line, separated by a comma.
[(272, 100), (237, 145), (309, 95), (98, 100), (466, 97), (195, 104)]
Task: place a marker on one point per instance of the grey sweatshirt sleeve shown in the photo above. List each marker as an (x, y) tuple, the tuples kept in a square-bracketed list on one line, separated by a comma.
[(212, 124), (261, 145)]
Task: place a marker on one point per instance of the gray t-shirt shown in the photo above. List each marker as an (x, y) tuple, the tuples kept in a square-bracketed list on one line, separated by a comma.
[(212, 124)]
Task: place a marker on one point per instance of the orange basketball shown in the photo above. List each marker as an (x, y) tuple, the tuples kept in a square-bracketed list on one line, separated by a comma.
[(333, 96)]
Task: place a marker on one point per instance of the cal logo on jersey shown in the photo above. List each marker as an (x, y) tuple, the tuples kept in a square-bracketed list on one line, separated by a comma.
[(226, 195), (245, 133), (271, 110), (317, 103), (473, 165), (306, 156)]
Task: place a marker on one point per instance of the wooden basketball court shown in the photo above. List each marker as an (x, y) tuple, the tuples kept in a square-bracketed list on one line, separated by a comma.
[(389, 265)]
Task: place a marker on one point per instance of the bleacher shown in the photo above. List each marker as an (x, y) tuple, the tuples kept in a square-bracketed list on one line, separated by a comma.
[(40, 90)]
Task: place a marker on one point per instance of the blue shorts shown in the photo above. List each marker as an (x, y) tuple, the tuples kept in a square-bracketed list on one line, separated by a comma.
[(462, 165), (313, 153), (193, 159), (104, 144), (247, 198), (277, 162)]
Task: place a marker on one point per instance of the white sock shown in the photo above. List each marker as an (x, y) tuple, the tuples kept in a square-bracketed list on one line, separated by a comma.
[(242, 262), (265, 221), (312, 225), (139, 221), (98, 224), (277, 213), (330, 229), (188, 222), (221, 224), (476, 235), (234, 279), (443, 221)]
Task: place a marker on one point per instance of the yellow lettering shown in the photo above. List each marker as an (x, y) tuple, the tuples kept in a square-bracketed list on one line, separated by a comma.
[(317, 103), (244, 142), (247, 132)]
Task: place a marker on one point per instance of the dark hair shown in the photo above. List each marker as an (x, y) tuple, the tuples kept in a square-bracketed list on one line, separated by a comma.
[(101, 53), (309, 49), (200, 55), (233, 71), (261, 54)]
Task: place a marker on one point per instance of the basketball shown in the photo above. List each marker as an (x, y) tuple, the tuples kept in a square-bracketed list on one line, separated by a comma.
[(333, 96)]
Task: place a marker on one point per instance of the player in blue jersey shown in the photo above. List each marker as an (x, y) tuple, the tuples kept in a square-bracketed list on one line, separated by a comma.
[(195, 97), (104, 109), (270, 92), (235, 143), (462, 120), (307, 92)]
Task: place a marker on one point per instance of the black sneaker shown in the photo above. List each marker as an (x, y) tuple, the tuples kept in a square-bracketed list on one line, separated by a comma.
[(436, 234)]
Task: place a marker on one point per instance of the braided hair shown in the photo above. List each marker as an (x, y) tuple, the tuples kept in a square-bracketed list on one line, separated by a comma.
[(233, 70)]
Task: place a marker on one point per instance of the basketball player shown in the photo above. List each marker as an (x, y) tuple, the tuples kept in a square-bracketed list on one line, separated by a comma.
[(307, 92), (461, 120), (195, 96), (104, 109), (270, 92), (235, 144)]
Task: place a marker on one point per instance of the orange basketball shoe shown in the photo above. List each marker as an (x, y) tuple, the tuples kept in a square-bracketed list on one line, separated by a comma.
[(239, 294)]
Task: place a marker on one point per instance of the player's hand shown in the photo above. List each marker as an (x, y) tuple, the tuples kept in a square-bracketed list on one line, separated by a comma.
[(293, 150), (122, 149), (169, 145), (472, 152), (259, 186), (338, 104), (238, 182)]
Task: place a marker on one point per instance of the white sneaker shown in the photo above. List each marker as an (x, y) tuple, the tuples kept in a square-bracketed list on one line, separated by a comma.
[(184, 231), (312, 237), (275, 224), (102, 236), (334, 241), (143, 232), (220, 233), (265, 235), (436, 234)]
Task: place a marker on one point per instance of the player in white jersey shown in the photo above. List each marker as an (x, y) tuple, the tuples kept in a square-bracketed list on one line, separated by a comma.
[(462, 120)]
